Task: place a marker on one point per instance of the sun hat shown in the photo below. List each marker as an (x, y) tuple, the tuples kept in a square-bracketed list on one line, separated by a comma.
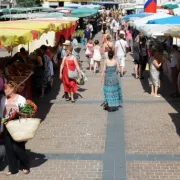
[(67, 43)]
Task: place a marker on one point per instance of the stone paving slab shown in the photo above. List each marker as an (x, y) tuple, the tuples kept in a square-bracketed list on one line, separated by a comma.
[(62, 170), (158, 170), (74, 129), (92, 90), (149, 130)]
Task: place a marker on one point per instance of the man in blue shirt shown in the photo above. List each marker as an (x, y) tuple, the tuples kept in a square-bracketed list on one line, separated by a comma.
[(87, 34)]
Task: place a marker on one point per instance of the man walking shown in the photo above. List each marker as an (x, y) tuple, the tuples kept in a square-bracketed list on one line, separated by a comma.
[(120, 52)]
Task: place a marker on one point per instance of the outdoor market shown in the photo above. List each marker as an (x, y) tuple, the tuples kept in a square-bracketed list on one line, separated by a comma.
[(85, 84)]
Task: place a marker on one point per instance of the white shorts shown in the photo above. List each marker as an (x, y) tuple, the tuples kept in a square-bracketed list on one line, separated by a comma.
[(121, 60)]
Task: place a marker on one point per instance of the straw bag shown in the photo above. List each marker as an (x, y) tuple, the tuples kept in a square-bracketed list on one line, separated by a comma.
[(23, 129)]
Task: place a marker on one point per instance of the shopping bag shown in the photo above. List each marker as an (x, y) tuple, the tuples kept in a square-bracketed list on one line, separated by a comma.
[(23, 129), (87, 52)]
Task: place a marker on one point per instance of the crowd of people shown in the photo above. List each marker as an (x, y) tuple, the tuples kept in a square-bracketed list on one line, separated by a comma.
[(119, 39)]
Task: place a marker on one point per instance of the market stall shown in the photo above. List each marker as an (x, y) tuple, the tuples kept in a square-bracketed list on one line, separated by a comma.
[(15, 33), (140, 22)]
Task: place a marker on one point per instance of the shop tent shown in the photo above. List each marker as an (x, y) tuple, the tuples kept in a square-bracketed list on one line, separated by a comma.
[(173, 32), (140, 22), (155, 30), (13, 10), (131, 16), (13, 33), (167, 20), (176, 11), (74, 6), (170, 6), (83, 12)]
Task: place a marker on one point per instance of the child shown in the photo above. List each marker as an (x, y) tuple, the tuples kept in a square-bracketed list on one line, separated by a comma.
[(97, 55)]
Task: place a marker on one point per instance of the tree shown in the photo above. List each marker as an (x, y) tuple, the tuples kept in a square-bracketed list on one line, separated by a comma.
[(28, 3)]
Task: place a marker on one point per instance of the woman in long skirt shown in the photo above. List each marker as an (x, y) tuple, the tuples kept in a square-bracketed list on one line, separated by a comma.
[(112, 89)]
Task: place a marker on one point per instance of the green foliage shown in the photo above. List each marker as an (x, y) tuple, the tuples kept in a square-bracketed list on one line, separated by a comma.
[(79, 33), (28, 3)]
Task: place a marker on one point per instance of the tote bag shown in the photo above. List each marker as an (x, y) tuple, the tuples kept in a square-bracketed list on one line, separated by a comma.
[(72, 74), (87, 51)]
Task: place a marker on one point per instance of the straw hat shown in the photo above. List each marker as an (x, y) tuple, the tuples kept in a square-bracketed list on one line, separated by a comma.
[(67, 43)]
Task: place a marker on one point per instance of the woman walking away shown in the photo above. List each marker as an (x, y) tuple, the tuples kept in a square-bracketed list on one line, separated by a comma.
[(154, 72), (137, 60), (69, 63), (14, 150), (108, 46), (112, 89), (90, 49), (97, 56), (129, 38)]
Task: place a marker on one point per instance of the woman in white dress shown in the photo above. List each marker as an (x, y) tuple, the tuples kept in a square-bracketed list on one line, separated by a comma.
[(97, 56)]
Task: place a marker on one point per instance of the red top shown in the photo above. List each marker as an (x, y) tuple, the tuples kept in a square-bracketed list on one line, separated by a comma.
[(70, 85)]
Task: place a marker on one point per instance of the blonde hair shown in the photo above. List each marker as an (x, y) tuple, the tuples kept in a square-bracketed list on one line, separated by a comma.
[(69, 48), (107, 32), (13, 85)]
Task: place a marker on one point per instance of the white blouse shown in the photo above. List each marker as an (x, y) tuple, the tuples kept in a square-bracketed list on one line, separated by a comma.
[(20, 102)]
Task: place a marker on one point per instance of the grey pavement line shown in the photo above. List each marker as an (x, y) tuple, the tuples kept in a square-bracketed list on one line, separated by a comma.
[(111, 145), (152, 157), (84, 101), (114, 163)]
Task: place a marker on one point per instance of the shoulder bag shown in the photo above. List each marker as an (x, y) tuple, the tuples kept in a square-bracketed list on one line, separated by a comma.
[(71, 74)]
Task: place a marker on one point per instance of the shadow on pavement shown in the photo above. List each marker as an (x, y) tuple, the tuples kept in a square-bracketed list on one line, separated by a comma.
[(44, 105), (36, 160), (165, 91)]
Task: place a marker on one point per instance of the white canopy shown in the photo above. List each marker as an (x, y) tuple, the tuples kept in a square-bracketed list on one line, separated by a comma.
[(176, 11), (141, 22), (154, 30)]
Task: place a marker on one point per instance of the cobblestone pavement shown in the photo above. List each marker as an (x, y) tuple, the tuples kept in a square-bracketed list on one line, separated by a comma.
[(83, 142)]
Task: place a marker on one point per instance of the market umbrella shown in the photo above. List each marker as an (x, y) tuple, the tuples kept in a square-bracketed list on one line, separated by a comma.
[(155, 30), (173, 32), (170, 6), (131, 16), (167, 20), (72, 5), (176, 11), (84, 10), (13, 10), (140, 22)]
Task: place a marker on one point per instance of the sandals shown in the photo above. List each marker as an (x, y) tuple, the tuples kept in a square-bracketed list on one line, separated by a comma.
[(68, 99), (8, 173), (73, 101), (26, 171)]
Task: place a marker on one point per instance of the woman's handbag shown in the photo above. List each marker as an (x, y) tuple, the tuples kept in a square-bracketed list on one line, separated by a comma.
[(72, 74), (80, 81), (23, 129)]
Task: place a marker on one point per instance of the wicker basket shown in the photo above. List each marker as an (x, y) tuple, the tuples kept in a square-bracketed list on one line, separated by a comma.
[(23, 129)]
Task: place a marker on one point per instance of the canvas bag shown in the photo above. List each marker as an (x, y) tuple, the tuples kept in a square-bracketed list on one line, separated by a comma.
[(72, 74)]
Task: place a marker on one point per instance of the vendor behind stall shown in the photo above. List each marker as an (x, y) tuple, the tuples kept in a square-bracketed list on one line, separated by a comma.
[(19, 56)]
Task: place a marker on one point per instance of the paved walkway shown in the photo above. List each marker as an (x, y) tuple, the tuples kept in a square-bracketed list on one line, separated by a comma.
[(81, 141)]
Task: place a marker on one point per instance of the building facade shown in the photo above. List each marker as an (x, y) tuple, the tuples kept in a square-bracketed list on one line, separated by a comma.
[(7, 3)]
